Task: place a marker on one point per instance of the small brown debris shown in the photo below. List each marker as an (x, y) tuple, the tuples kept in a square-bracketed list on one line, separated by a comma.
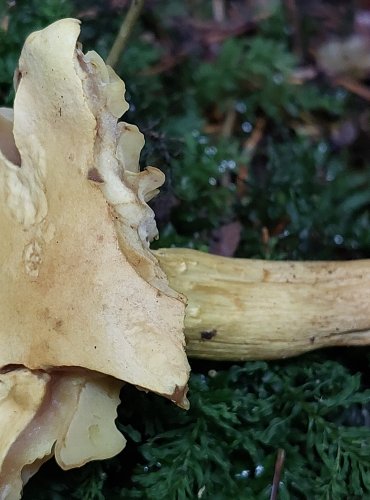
[(94, 175)]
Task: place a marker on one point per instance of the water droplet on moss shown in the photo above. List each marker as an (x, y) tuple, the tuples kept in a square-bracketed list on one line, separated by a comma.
[(247, 127), (240, 107), (210, 150), (244, 474), (341, 94), (278, 78), (259, 470), (338, 239)]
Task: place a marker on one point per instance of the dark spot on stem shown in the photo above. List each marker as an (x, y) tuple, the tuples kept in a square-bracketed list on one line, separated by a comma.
[(208, 334)]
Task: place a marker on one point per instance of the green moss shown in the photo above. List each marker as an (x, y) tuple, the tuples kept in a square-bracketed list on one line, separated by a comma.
[(225, 446)]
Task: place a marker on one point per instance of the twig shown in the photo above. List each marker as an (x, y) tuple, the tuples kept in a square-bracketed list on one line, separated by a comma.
[(277, 474), (125, 31), (353, 86), (229, 123), (256, 136), (302, 75), (294, 19), (218, 7), (250, 146)]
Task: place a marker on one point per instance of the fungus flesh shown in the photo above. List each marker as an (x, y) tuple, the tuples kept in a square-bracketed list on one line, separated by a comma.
[(84, 305)]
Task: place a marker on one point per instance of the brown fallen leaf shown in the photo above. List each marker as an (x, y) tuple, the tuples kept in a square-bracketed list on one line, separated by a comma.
[(225, 239)]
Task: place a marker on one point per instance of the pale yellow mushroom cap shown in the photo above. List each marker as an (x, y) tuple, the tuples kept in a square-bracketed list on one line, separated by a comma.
[(79, 286), (84, 305)]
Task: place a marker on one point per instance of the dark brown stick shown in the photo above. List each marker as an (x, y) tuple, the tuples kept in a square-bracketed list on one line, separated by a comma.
[(277, 474)]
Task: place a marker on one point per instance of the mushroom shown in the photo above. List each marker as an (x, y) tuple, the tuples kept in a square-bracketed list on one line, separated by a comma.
[(84, 305)]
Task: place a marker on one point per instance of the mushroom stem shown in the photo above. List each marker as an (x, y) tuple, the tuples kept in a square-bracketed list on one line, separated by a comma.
[(242, 309)]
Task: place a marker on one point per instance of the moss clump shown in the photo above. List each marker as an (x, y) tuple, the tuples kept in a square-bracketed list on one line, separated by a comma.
[(226, 445)]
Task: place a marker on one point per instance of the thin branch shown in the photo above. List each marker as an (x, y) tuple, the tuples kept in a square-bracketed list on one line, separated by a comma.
[(229, 123), (218, 7), (353, 86), (125, 31), (294, 19), (256, 136), (277, 474)]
